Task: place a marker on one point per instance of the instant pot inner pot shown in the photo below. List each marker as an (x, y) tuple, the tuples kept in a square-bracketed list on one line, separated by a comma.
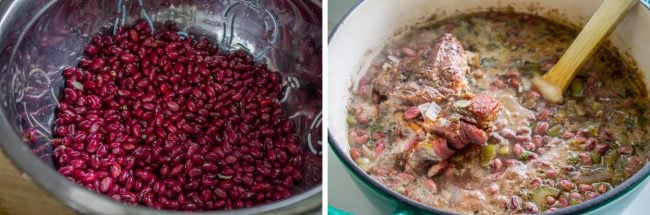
[(40, 38)]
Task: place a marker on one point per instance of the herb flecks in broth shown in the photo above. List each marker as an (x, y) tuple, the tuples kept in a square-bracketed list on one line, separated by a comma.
[(536, 156)]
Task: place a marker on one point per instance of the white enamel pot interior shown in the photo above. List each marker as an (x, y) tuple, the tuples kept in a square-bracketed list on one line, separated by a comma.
[(366, 29)]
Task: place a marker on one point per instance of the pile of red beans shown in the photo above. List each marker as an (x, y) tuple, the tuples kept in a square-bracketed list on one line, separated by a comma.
[(174, 123)]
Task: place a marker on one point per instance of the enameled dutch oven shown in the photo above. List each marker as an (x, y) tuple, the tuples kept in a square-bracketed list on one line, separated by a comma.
[(367, 28)]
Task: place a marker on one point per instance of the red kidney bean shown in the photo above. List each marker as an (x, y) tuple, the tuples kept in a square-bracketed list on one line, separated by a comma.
[(550, 200), (626, 150), (591, 194), (551, 173), (171, 123), (66, 170), (515, 202), (576, 196), (531, 207), (412, 112), (127, 58), (585, 187), (517, 149), (541, 128), (567, 185), (106, 184), (496, 164)]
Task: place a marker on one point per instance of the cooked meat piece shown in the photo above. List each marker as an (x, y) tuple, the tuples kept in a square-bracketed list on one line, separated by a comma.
[(385, 162), (440, 147), (452, 80), (449, 63), (437, 168), (448, 53), (442, 77), (459, 134), (484, 107), (472, 134), (386, 81), (420, 157), (414, 93), (464, 125)]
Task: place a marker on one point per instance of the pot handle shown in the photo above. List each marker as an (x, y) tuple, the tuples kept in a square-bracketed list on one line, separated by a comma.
[(400, 210)]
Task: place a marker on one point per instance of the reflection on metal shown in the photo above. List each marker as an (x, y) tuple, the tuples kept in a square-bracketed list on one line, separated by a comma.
[(270, 23), (288, 84), (315, 124), (56, 100), (149, 22), (122, 12), (42, 37), (183, 34), (274, 37)]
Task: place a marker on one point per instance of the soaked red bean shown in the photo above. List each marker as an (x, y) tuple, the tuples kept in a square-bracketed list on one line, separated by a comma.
[(173, 123)]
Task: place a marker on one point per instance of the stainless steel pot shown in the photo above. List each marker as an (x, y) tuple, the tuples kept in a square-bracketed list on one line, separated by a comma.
[(39, 37)]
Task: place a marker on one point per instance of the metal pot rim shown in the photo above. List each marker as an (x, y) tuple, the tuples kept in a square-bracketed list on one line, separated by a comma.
[(86, 201)]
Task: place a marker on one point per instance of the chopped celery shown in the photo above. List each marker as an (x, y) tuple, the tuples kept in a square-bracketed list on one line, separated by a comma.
[(350, 120), (574, 202), (593, 129), (529, 103), (641, 121), (611, 157), (595, 157), (619, 87), (555, 131), (574, 142), (630, 121), (596, 106), (619, 170), (538, 195), (531, 66), (504, 150), (573, 158), (461, 33), (560, 115), (427, 144), (580, 110), (364, 163), (599, 114), (571, 104), (525, 155), (577, 88), (457, 158), (488, 153), (492, 46)]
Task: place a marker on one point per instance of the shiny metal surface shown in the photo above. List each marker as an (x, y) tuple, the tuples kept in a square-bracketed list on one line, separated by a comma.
[(40, 37)]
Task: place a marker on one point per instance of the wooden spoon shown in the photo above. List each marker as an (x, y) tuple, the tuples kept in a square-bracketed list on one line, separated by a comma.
[(553, 84)]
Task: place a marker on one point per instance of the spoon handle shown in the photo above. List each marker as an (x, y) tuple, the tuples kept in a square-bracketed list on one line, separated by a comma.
[(585, 45)]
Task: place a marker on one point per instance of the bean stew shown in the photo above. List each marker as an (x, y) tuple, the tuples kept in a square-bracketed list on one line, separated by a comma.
[(447, 115)]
